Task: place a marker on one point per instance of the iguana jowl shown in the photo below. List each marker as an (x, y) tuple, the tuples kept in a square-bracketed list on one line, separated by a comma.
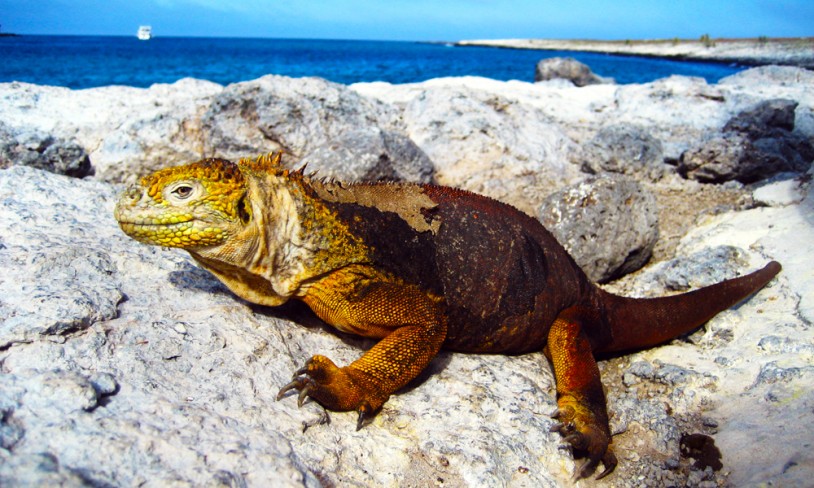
[(419, 267)]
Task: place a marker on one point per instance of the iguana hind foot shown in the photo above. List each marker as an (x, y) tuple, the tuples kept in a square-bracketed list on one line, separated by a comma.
[(586, 434)]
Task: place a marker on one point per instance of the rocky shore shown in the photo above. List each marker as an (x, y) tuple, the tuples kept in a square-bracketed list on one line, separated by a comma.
[(748, 52), (123, 364)]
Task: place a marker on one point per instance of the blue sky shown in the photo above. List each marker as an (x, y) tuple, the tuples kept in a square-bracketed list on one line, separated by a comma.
[(415, 19)]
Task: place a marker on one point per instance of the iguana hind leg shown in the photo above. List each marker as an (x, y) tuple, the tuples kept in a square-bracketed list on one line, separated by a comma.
[(581, 409), (409, 322)]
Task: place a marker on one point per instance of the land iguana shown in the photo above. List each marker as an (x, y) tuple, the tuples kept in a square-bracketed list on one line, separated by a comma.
[(418, 267)]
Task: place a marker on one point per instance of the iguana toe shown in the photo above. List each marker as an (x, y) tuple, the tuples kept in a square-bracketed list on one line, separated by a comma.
[(609, 461), (297, 384), (364, 415)]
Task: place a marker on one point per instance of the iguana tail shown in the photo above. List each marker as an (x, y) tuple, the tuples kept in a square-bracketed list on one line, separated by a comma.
[(640, 323)]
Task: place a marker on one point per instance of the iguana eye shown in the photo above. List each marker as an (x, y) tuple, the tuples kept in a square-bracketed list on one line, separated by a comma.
[(183, 192)]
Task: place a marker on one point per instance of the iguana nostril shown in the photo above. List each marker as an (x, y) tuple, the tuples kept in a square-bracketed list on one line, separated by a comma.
[(132, 194)]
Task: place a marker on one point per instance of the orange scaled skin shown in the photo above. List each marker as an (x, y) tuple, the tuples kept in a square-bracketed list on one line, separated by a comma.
[(418, 267)]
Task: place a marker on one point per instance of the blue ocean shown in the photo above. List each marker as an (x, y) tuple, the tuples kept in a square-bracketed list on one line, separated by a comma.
[(91, 61)]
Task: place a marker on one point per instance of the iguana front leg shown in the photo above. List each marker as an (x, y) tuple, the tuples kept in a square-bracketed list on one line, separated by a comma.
[(581, 408), (409, 322)]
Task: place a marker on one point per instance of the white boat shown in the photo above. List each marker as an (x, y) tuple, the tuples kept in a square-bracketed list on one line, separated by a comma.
[(145, 32)]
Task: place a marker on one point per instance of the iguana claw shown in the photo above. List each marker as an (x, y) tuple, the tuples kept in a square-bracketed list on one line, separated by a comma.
[(298, 382), (609, 461), (294, 385), (303, 395)]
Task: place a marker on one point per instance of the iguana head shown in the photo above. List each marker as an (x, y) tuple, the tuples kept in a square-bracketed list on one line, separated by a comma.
[(196, 206), (243, 222), (253, 224)]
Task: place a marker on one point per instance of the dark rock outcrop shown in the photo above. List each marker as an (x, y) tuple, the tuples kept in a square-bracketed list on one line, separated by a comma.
[(755, 144), (31, 148)]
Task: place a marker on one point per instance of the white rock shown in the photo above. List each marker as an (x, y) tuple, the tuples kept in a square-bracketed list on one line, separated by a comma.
[(780, 193)]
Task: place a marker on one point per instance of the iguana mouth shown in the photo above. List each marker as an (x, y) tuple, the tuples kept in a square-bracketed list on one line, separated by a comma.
[(152, 228), (153, 222), (134, 223)]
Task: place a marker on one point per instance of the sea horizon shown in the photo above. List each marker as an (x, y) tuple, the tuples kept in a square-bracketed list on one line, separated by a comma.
[(86, 61), (428, 41)]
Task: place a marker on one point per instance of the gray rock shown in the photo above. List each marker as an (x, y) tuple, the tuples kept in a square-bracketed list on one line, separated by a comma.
[(126, 131), (773, 373), (487, 143), (625, 149), (297, 116), (663, 108), (609, 224), (72, 306), (568, 69), (66, 157), (804, 121), (735, 157), (725, 158), (667, 374), (57, 302), (371, 154), (327, 126), (134, 131), (704, 268), (777, 344), (41, 469)]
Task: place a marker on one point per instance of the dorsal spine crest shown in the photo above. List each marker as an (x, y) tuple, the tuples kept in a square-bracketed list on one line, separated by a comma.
[(266, 163)]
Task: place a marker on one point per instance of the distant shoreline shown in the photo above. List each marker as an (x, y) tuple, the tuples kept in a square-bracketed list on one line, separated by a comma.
[(749, 52)]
